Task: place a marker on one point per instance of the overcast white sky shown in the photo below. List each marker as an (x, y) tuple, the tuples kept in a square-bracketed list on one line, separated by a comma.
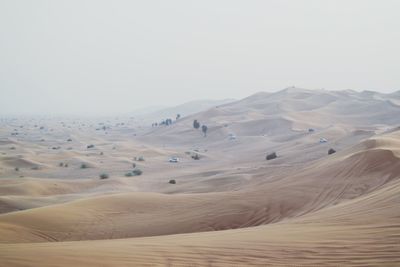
[(95, 57)]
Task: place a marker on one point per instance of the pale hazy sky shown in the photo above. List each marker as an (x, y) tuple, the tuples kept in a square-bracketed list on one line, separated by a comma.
[(95, 57)]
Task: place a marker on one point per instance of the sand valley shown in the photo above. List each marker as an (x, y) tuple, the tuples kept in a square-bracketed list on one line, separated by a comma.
[(79, 191)]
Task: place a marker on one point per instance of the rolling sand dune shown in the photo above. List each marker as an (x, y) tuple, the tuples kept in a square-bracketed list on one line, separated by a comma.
[(325, 183), (232, 206), (21, 162), (340, 235)]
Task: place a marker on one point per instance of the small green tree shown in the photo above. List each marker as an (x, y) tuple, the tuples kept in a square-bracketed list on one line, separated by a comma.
[(204, 129), (196, 124), (84, 166), (104, 176), (271, 156), (196, 156), (137, 172)]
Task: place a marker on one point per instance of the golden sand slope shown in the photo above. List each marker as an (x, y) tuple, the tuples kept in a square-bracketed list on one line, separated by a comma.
[(304, 208), (360, 232), (342, 210), (333, 180)]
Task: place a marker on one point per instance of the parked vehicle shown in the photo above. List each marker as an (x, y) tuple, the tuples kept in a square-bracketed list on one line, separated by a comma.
[(174, 159), (323, 140)]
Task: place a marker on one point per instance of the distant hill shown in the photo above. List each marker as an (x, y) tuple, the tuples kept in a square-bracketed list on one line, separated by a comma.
[(289, 113), (184, 109)]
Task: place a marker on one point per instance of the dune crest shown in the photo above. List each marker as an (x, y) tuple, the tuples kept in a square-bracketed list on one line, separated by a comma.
[(116, 193)]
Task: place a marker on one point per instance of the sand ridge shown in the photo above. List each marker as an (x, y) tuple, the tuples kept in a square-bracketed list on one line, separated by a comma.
[(231, 206)]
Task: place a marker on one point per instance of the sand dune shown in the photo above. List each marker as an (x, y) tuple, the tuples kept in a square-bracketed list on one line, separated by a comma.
[(231, 206), (330, 181), (332, 237), (18, 162)]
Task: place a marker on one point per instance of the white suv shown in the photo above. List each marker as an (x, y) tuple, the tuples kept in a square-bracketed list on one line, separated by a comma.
[(174, 159)]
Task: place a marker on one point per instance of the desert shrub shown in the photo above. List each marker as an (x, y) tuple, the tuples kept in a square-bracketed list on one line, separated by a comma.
[(128, 174), (90, 146), (35, 168), (172, 181), (16, 169), (102, 153), (168, 122), (134, 165), (137, 172), (204, 129), (196, 157), (196, 124), (66, 165), (84, 166), (141, 158), (331, 151), (61, 164), (104, 176), (271, 156), (69, 140)]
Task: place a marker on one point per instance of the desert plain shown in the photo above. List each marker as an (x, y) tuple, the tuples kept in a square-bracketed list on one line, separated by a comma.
[(79, 191)]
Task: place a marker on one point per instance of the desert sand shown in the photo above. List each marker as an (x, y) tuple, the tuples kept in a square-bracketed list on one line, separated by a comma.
[(232, 207)]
